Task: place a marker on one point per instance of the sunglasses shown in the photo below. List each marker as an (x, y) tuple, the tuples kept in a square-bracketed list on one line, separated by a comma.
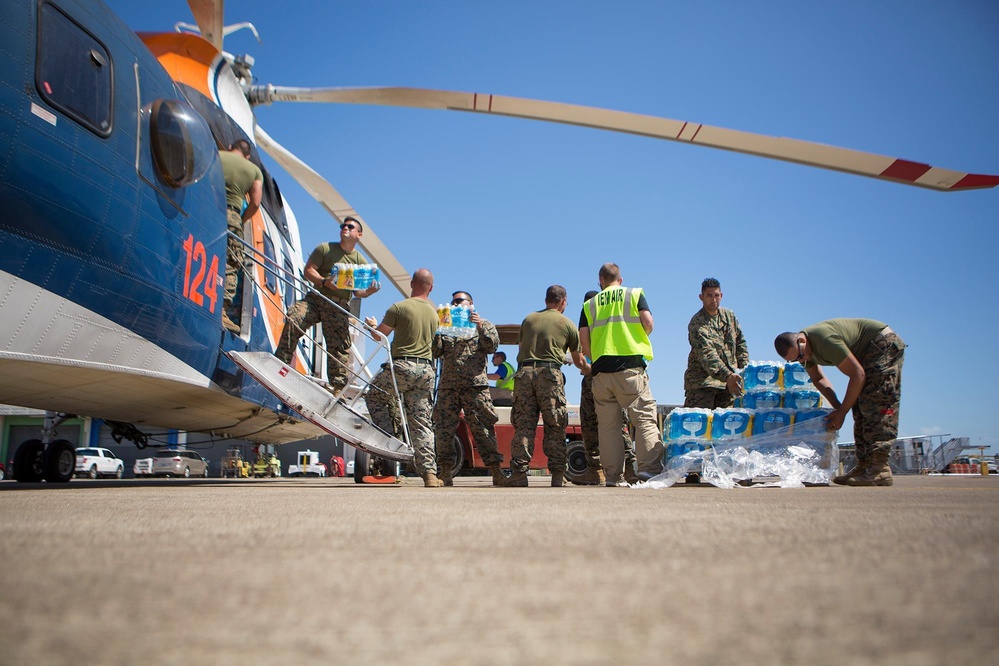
[(801, 353), (348, 226), (458, 301)]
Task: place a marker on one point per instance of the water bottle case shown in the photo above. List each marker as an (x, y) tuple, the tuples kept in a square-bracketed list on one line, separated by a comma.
[(354, 276)]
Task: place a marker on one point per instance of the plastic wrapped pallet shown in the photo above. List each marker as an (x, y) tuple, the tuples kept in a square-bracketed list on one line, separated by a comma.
[(781, 457)]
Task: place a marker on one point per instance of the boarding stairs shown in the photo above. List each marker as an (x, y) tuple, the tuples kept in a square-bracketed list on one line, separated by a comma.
[(944, 454), (342, 415)]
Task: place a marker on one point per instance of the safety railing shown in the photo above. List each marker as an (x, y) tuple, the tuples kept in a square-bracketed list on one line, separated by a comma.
[(359, 384)]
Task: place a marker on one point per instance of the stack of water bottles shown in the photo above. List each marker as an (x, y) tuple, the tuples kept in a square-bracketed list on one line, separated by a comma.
[(775, 430), (354, 276), (776, 385), (455, 321)]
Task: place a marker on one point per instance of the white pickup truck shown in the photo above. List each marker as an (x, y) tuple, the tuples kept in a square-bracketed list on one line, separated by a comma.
[(92, 463)]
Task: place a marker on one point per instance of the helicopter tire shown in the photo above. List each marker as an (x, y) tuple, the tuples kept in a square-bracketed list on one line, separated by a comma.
[(59, 461), (362, 465), (29, 461)]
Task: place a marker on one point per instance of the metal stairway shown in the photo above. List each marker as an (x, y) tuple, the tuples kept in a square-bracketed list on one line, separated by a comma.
[(320, 407)]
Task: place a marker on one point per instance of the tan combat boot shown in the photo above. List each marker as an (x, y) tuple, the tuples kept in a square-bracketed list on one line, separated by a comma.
[(857, 470), (499, 478), (558, 478), (516, 480), (446, 475), (593, 476), (877, 472), (430, 480)]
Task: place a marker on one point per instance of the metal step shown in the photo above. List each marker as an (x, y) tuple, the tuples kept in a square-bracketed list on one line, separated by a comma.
[(319, 406)]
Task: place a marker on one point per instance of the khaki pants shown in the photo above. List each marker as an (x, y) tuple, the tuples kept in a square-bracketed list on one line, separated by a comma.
[(628, 390)]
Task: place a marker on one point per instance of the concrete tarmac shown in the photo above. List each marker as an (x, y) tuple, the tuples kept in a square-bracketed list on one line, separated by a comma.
[(299, 571)]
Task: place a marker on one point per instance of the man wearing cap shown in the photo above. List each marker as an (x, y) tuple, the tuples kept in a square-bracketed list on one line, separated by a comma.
[(330, 305), (545, 337), (244, 184), (614, 331), (871, 355), (415, 322)]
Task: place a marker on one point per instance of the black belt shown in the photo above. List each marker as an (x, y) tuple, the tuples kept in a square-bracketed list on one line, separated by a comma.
[(418, 359), (234, 208), (541, 364)]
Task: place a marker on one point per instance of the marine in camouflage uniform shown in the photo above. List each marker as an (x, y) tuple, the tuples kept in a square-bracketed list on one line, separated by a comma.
[(717, 350), (330, 306), (416, 386), (464, 386), (414, 321), (539, 388), (243, 180), (880, 352)]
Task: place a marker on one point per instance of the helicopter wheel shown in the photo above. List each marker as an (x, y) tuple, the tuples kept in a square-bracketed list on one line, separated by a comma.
[(59, 461), (362, 465), (29, 461)]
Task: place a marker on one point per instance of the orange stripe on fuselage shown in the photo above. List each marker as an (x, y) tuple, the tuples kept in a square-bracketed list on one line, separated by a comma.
[(271, 303), (187, 58)]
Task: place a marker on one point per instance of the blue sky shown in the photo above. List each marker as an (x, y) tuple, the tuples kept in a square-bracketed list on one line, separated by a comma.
[(504, 207)]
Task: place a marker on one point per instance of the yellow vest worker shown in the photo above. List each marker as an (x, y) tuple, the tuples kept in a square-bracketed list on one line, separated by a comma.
[(616, 325), (507, 381), (614, 331)]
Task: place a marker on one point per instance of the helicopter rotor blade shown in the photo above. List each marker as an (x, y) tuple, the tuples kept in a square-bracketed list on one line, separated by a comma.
[(780, 148), (208, 16), (338, 207)]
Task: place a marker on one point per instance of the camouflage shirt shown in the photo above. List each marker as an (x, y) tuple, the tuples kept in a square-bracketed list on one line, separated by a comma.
[(464, 359), (717, 349)]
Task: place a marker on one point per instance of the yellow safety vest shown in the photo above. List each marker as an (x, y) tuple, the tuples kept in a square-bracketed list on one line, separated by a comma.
[(506, 382), (616, 325)]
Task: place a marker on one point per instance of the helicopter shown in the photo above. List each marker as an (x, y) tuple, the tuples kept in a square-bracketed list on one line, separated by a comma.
[(114, 219)]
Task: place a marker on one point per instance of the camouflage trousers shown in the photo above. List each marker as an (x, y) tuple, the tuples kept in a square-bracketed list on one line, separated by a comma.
[(416, 386), (629, 390), (590, 428), (480, 415), (336, 330), (875, 414), (538, 391), (709, 398), (234, 258)]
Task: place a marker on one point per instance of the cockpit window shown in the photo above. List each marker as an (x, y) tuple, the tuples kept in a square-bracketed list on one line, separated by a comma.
[(181, 141), (73, 70)]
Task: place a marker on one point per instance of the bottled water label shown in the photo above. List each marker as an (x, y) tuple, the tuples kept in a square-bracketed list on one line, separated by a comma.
[(455, 321), (354, 276)]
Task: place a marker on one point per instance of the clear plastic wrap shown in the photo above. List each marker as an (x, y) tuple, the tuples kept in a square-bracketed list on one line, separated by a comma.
[(795, 375), (762, 374), (455, 321), (790, 457), (688, 422)]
